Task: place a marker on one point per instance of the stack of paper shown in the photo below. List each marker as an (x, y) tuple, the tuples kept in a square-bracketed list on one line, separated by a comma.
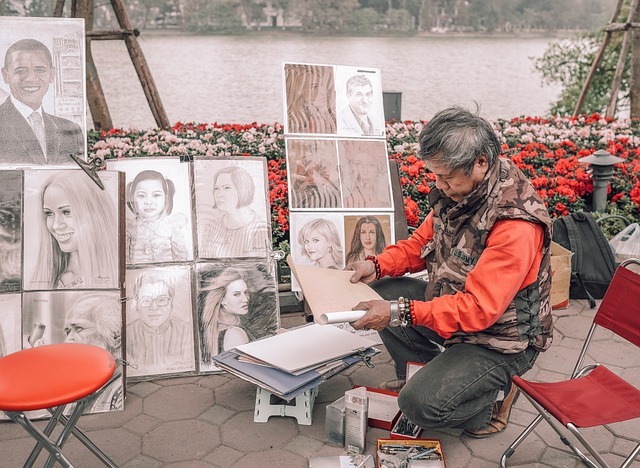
[(291, 362)]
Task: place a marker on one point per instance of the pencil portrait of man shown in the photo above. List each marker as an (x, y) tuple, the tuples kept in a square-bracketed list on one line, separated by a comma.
[(360, 111), (44, 86)]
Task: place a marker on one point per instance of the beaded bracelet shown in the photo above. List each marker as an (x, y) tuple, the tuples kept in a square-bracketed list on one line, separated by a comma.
[(412, 314), (375, 264)]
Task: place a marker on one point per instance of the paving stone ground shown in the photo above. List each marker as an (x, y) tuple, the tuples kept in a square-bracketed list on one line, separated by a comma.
[(207, 421)]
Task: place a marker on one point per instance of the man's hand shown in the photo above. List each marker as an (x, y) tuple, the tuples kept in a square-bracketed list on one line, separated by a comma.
[(364, 271), (377, 317)]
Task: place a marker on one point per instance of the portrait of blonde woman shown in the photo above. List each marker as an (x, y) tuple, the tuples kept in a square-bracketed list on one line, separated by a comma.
[(310, 99), (235, 206), (237, 304), (73, 227), (314, 180), (319, 243)]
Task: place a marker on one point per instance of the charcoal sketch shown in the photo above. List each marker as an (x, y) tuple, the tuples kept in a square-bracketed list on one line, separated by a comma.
[(237, 303), (360, 110), (10, 323), (10, 230), (159, 321)]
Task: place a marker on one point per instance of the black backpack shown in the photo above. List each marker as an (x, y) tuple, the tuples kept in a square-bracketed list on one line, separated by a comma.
[(593, 261)]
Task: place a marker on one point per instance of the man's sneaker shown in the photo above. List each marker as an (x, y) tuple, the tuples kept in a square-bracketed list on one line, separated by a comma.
[(499, 417), (393, 385)]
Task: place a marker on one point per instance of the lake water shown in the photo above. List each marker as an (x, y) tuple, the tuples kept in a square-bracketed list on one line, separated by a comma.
[(238, 79)]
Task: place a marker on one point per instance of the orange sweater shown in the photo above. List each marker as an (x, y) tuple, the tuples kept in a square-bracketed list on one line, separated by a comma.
[(509, 263)]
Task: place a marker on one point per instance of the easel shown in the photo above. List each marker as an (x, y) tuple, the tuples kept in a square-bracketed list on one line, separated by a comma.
[(612, 27), (95, 95)]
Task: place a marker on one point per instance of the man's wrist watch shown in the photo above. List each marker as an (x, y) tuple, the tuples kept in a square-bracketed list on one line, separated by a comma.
[(395, 318)]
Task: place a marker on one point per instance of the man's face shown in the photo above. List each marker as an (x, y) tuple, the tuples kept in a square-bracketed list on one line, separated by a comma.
[(456, 184), (28, 75), (360, 98), (80, 327), (154, 303)]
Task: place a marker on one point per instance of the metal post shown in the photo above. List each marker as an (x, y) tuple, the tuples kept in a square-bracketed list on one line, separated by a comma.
[(601, 163)]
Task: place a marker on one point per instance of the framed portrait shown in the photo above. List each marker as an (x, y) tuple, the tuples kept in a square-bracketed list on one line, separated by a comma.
[(313, 174), (309, 99), (10, 323), (159, 328), (366, 182), (10, 230), (237, 302), (366, 234), (158, 210), (317, 239), (72, 229), (360, 111), (94, 318), (45, 126), (232, 208)]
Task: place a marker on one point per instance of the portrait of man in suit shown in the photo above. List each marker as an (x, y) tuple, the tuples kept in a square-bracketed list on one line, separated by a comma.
[(359, 117), (29, 134)]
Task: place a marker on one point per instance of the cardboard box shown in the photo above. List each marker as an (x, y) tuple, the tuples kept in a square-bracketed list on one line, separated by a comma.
[(391, 452), (383, 408), (560, 276)]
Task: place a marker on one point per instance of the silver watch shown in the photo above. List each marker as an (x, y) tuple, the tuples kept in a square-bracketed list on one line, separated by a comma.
[(395, 318)]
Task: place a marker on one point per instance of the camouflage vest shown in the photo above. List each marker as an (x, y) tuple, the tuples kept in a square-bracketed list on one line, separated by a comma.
[(460, 236)]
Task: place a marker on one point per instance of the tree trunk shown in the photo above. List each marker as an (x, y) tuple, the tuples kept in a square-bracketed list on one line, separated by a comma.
[(634, 83)]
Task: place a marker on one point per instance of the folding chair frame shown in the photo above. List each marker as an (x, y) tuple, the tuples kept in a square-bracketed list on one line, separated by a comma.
[(68, 423), (578, 371)]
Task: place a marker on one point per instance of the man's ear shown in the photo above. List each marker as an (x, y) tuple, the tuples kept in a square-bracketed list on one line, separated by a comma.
[(52, 73), (4, 75), (482, 160)]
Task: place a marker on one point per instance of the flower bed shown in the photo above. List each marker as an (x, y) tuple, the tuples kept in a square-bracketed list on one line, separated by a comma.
[(546, 149)]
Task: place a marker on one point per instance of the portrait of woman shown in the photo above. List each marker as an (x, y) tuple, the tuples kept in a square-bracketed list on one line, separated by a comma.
[(313, 174), (75, 225), (236, 229), (366, 174), (320, 244), (310, 99), (368, 239), (10, 230), (155, 233), (237, 304)]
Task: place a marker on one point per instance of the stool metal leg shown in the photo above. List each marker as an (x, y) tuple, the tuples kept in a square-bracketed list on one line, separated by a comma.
[(40, 437)]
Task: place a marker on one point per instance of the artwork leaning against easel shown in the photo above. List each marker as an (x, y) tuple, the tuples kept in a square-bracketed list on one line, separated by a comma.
[(237, 302), (47, 124), (67, 285)]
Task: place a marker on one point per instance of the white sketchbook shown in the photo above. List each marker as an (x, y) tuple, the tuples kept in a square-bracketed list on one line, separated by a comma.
[(306, 347)]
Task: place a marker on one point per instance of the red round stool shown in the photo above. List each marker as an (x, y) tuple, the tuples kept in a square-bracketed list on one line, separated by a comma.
[(51, 377)]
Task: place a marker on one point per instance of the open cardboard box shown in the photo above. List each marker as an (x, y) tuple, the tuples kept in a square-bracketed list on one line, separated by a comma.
[(393, 452), (560, 276)]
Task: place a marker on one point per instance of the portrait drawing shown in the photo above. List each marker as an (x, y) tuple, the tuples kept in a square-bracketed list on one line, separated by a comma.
[(10, 323), (359, 97), (310, 99), (94, 318), (366, 235), (158, 226), (72, 228), (231, 208), (314, 179), (237, 303), (365, 174), (10, 230), (159, 321), (42, 117)]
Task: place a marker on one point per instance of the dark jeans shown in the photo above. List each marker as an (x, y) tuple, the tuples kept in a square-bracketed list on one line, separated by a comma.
[(458, 386)]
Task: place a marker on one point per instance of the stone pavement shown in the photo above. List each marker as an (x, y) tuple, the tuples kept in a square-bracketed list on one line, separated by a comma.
[(207, 421)]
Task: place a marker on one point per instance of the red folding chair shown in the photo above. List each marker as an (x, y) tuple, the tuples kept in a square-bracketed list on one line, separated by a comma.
[(55, 377), (593, 396)]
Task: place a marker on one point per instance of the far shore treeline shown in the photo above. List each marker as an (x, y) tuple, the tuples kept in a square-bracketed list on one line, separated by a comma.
[(367, 17)]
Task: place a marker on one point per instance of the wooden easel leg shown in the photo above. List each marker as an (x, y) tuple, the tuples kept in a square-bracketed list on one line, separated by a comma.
[(140, 64), (58, 9)]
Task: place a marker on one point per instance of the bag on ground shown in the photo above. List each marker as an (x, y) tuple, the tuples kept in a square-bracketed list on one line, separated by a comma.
[(593, 261), (626, 244)]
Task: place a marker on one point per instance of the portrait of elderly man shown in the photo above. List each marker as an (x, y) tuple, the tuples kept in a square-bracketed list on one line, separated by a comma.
[(359, 117), (485, 313), (96, 319), (28, 133), (157, 341)]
